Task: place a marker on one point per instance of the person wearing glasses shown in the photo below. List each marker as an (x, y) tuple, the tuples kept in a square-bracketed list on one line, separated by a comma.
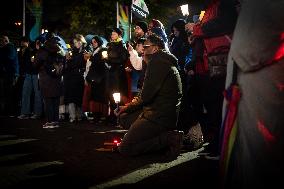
[(152, 116)]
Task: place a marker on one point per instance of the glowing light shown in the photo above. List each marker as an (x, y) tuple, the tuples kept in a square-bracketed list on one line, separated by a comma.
[(201, 15), (279, 53), (104, 54), (184, 10), (18, 23), (116, 97), (44, 31)]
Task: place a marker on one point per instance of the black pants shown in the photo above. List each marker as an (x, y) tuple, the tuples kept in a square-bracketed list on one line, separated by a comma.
[(52, 108), (211, 98), (8, 101)]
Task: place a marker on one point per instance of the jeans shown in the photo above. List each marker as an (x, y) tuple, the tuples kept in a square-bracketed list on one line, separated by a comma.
[(30, 85)]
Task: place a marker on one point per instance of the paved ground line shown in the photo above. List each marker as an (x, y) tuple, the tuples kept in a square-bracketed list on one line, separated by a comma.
[(148, 170)]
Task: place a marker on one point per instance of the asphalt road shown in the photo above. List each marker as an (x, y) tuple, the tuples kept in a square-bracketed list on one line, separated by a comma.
[(67, 157)]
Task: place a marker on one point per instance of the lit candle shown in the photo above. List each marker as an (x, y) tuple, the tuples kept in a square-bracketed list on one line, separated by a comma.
[(104, 54), (116, 97)]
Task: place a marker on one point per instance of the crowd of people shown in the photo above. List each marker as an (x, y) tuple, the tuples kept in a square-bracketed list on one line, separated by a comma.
[(171, 86)]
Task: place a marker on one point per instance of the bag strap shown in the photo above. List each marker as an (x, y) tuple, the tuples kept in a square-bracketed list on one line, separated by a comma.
[(228, 38), (235, 73)]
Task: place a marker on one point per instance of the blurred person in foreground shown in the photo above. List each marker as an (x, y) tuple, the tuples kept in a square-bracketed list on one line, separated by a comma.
[(256, 64), (152, 117)]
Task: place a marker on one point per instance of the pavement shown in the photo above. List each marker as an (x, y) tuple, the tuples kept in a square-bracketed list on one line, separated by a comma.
[(72, 156)]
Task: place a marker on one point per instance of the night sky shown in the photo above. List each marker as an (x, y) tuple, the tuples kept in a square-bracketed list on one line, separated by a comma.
[(53, 10), (54, 13)]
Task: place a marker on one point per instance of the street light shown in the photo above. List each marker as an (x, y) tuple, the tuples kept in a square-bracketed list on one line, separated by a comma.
[(184, 10), (18, 23)]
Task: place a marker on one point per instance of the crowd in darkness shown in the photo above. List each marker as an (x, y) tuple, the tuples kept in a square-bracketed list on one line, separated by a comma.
[(172, 86)]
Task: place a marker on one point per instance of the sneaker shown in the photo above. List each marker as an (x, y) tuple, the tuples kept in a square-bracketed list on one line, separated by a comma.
[(72, 120), (47, 125), (23, 116), (50, 125), (54, 125), (34, 116), (174, 139)]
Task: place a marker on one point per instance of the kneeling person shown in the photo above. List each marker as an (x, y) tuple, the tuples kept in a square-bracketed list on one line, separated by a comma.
[(152, 116)]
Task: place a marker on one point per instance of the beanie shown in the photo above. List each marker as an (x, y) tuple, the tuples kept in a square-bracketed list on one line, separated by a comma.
[(143, 25), (117, 30)]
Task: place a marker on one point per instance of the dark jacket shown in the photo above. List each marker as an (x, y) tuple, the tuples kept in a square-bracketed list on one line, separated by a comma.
[(117, 58), (97, 77), (9, 64), (26, 65), (73, 78), (50, 65), (162, 91)]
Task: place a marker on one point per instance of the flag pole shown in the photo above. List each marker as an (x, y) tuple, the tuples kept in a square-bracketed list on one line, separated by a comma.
[(24, 18), (117, 14), (130, 19)]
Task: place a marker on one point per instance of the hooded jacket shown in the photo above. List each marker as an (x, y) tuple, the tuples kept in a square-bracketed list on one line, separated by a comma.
[(162, 91)]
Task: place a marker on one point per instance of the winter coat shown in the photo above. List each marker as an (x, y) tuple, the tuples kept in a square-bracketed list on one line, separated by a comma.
[(97, 77), (50, 66), (73, 78), (117, 58), (26, 65), (219, 20), (9, 64)]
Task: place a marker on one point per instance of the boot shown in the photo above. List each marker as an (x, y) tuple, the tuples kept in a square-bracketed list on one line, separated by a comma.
[(174, 140)]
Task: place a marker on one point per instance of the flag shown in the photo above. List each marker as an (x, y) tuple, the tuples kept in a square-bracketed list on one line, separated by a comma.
[(229, 128), (123, 18), (140, 9), (36, 10)]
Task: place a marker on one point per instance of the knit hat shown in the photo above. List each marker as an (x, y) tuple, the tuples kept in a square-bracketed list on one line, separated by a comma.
[(143, 25), (118, 31)]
